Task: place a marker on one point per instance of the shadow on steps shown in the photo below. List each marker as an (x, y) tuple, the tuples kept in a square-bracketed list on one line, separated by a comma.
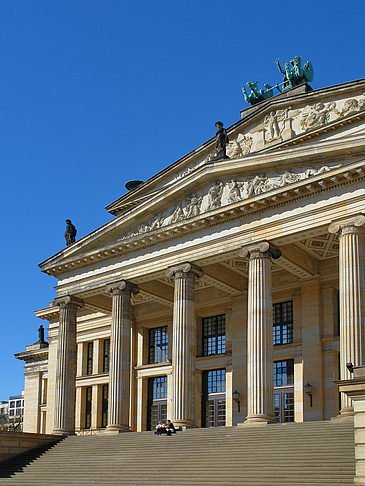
[(17, 463)]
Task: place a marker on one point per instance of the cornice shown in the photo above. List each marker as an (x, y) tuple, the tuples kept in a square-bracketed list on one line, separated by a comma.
[(40, 354), (325, 182)]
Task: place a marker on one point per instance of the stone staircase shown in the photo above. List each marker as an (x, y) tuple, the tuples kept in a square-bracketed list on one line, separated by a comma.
[(311, 453)]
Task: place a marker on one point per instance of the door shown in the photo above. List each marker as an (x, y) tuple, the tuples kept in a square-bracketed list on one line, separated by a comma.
[(157, 401), (284, 390), (214, 398)]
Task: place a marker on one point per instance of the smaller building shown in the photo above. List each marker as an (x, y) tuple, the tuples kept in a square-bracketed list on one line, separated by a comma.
[(16, 411)]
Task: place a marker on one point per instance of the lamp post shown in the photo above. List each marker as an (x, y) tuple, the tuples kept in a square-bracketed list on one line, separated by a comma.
[(236, 397), (308, 391)]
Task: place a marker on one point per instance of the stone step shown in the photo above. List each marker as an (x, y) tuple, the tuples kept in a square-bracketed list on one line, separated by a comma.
[(296, 455)]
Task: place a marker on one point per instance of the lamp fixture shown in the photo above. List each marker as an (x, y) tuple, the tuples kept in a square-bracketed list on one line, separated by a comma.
[(308, 391), (236, 397)]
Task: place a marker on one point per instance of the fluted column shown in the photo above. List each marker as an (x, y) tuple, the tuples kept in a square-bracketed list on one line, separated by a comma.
[(259, 333), (65, 392), (120, 344), (184, 344), (351, 234)]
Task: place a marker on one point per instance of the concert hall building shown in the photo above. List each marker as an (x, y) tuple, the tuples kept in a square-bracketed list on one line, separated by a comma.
[(222, 292)]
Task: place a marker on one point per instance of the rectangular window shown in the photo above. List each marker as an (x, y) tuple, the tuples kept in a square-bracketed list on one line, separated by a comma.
[(106, 355), (214, 335), (158, 345), (11, 412), (284, 373), (283, 323), (104, 406), (18, 403), (159, 388), (216, 381), (12, 405), (89, 360), (88, 406)]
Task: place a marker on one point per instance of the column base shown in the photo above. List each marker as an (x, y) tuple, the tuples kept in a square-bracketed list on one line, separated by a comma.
[(258, 420), (63, 432), (184, 424), (345, 414), (116, 429)]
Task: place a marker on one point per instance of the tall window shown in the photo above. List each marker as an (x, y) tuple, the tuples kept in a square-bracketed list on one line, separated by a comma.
[(283, 323), (284, 373), (89, 360), (104, 406), (88, 406), (106, 355), (158, 345), (214, 335)]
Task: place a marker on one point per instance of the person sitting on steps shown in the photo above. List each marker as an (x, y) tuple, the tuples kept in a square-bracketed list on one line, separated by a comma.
[(160, 428), (170, 428)]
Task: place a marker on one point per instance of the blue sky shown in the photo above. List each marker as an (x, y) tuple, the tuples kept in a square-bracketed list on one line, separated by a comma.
[(95, 93)]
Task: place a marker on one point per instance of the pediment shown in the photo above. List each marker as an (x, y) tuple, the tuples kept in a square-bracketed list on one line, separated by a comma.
[(279, 122), (297, 148)]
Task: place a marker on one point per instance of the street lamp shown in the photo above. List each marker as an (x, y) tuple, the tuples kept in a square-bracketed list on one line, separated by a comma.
[(308, 391), (236, 397)]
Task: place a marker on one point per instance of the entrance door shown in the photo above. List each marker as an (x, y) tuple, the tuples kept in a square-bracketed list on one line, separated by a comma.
[(284, 390), (284, 405), (214, 398), (157, 401)]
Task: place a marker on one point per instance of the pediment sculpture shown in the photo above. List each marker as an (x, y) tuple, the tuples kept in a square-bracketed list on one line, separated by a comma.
[(225, 192)]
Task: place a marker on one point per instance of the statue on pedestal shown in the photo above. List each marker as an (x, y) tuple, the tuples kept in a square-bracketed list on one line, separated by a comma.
[(221, 142), (70, 234)]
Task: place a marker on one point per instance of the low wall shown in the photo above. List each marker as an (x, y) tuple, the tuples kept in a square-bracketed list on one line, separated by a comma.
[(15, 443)]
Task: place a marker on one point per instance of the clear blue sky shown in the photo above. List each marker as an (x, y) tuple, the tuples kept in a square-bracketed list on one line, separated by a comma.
[(94, 93)]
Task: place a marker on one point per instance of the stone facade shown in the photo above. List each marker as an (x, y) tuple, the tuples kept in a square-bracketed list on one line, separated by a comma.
[(217, 276)]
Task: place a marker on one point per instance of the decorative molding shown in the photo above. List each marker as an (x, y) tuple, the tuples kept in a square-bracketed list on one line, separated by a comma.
[(223, 193)]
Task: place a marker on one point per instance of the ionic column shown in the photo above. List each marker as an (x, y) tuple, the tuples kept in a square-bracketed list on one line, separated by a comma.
[(259, 333), (65, 393), (120, 345), (351, 235), (184, 344)]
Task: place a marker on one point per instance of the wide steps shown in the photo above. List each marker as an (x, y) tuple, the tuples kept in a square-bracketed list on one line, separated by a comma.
[(313, 453)]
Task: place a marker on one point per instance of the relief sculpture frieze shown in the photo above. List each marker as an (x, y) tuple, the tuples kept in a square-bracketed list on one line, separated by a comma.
[(222, 193)]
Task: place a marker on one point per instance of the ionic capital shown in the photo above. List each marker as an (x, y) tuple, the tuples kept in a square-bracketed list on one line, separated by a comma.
[(354, 225), (184, 270), (262, 249), (122, 287), (69, 302)]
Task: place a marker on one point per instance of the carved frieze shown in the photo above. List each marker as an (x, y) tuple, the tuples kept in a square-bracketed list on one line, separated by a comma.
[(223, 193)]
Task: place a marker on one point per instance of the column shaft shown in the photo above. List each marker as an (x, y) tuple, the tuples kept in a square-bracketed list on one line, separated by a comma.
[(259, 334), (120, 344), (184, 344), (65, 392), (352, 298)]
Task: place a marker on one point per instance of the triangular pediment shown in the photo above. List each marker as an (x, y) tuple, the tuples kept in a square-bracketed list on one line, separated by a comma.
[(285, 145), (281, 121)]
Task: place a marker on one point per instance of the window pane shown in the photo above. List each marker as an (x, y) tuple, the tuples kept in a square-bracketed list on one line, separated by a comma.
[(216, 381), (283, 323), (160, 387), (284, 373), (106, 355), (89, 360), (158, 345), (214, 335)]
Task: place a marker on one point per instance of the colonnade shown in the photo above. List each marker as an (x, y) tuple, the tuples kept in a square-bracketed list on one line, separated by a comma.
[(259, 335)]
